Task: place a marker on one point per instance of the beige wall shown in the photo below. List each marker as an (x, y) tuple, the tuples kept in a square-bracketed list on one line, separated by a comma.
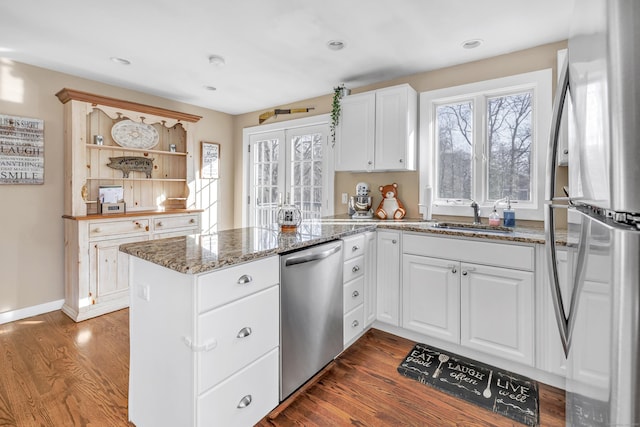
[(32, 239), (537, 58)]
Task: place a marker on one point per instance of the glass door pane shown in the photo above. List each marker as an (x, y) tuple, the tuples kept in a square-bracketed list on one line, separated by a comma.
[(307, 171), (266, 182)]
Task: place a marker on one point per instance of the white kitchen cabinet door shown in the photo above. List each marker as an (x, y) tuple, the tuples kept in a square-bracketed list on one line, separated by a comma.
[(431, 297), (395, 137), (109, 271), (497, 311), (355, 133), (370, 277), (388, 280)]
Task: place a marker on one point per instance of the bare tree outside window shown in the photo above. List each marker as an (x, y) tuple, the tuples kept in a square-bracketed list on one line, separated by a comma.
[(509, 134), (454, 150)]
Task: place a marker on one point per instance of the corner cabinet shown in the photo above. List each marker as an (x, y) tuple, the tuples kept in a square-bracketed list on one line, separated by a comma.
[(378, 130), (160, 201)]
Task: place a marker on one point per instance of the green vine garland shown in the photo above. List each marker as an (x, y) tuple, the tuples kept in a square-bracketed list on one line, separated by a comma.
[(335, 111)]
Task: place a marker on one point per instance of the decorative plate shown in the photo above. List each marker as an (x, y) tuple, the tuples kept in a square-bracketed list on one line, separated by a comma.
[(130, 134)]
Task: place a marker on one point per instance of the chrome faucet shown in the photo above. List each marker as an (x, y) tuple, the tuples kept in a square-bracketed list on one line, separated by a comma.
[(476, 212)]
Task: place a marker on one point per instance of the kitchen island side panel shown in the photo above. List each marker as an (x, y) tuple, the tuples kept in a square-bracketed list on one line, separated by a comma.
[(161, 379)]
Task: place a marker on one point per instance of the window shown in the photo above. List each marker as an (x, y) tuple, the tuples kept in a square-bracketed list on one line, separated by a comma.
[(291, 160), (486, 141)]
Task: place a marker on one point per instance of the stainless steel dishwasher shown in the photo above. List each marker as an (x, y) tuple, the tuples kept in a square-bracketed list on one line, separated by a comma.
[(311, 313)]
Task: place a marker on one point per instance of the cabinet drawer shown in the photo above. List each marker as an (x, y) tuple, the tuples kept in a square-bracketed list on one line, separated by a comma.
[(478, 252), (222, 286), (111, 228), (240, 331), (243, 399), (353, 246), (353, 294), (353, 324), (170, 222), (352, 269)]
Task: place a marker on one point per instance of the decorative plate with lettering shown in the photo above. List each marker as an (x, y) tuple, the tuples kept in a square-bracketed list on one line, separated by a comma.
[(130, 134)]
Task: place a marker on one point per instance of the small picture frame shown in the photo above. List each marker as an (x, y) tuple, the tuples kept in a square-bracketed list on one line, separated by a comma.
[(210, 160)]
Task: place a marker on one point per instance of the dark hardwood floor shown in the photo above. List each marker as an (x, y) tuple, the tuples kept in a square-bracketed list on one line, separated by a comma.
[(55, 372)]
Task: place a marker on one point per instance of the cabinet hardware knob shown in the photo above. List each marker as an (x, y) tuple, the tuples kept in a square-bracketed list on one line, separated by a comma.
[(394, 241), (355, 324), (146, 228), (355, 248), (464, 273), (160, 224), (192, 221), (369, 162), (355, 269), (245, 401), (244, 332), (400, 160), (355, 294), (244, 279), (97, 230), (454, 271)]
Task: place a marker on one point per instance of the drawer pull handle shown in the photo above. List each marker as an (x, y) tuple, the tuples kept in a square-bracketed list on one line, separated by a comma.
[(465, 272), (355, 324), (355, 269), (244, 279), (355, 248), (245, 401), (355, 294), (452, 268), (394, 241), (244, 332), (192, 221), (160, 224), (97, 230)]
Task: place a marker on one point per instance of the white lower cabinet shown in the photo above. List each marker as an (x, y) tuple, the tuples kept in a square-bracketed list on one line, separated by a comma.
[(353, 274), (388, 277), (489, 308), (244, 398), (496, 311), (204, 348), (431, 297)]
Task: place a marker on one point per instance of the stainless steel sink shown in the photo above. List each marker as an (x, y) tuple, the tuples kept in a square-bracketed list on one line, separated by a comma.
[(472, 228)]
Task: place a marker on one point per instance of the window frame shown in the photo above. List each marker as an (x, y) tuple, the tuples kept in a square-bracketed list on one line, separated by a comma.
[(540, 84)]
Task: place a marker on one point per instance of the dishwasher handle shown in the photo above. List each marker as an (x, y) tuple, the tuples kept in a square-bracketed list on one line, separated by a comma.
[(314, 256)]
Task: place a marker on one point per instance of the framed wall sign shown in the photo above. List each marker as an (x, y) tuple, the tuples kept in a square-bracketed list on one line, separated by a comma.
[(210, 155), (21, 150)]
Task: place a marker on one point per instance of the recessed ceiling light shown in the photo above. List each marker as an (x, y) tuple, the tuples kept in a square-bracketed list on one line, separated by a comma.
[(121, 61), (472, 44), (211, 88), (217, 60), (335, 44)]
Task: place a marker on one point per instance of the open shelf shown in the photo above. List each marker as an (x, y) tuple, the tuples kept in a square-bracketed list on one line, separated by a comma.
[(137, 179), (135, 150)]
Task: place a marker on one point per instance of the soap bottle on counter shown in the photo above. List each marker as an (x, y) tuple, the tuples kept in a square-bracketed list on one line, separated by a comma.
[(509, 215), (494, 218)]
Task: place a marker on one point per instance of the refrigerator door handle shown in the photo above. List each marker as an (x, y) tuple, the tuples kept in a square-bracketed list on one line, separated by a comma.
[(549, 223)]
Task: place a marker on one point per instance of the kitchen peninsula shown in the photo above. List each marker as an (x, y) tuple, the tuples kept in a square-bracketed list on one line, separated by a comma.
[(204, 310)]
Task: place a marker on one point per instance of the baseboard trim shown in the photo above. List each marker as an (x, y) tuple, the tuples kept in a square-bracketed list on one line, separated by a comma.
[(23, 313)]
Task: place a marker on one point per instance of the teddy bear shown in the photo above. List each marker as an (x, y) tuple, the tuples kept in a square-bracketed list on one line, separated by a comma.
[(390, 207)]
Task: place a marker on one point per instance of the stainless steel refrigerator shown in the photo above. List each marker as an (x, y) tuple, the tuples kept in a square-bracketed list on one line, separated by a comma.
[(595, 284)]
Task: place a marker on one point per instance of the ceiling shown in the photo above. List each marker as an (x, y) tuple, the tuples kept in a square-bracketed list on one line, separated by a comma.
[(275, 51)]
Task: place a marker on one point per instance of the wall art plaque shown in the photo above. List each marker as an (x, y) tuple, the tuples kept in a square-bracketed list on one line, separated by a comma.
[(21, 150)]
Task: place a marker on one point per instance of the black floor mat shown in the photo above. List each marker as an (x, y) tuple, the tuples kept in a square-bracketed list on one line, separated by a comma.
[(495, 389)]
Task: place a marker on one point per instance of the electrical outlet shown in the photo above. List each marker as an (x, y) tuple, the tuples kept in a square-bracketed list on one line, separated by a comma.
[(345, 198)]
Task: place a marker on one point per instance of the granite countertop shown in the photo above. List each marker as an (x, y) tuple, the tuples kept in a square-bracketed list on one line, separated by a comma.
[(201, 253)]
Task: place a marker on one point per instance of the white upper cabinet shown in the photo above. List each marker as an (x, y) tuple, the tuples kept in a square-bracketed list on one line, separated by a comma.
[(377, 130)]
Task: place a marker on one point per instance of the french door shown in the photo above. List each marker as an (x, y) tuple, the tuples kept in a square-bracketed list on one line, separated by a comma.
[(290, 164)]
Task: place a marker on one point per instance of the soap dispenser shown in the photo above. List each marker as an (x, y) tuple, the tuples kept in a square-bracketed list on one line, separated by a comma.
[(494, 218), (509, 215)]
